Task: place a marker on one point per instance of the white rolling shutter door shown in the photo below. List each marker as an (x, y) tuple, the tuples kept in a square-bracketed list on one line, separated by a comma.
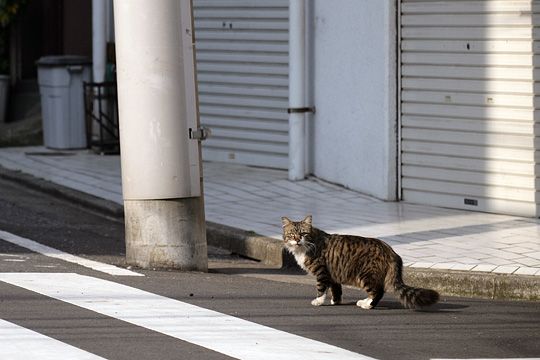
[(469, 104), (242, 69)]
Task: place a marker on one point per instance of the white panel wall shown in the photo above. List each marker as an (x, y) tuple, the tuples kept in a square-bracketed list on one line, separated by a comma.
[(353, 84)]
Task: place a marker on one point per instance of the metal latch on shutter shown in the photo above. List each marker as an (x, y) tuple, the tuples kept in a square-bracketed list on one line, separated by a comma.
[(310, 109), (200, 134)]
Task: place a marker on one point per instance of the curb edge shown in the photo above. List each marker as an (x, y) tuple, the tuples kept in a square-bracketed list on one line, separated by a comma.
[(270, 251)]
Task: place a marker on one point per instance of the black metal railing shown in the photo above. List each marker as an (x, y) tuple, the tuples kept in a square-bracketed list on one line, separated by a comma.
[(101, 109)]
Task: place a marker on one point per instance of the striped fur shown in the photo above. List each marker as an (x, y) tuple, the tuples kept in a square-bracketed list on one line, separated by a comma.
[(367, 263)]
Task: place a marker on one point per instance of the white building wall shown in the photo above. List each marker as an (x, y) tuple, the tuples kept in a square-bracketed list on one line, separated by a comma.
[(353, 86)]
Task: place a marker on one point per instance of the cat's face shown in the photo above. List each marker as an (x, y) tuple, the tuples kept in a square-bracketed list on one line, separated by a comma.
[(294, 232)]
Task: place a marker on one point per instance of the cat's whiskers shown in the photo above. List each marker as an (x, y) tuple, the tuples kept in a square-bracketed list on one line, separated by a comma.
[(292, 244), (309, 245)]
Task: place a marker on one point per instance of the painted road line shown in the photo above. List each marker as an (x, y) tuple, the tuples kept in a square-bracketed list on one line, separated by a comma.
[(226, 334), (57, 254), (19, 343)]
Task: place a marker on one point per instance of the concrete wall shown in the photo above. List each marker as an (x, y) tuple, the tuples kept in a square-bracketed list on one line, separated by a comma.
[(353, 86)]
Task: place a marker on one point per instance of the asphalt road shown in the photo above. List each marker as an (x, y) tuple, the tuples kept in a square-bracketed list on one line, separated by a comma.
[(455, 328)]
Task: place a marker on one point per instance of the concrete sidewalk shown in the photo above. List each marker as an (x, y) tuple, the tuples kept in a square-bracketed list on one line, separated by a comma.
[(461, 249)]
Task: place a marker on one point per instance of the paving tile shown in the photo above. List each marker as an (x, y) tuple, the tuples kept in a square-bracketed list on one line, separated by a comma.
[(422, 264), (463, 267), (500, 254), (527, 271), (534, 246), (468, 260), (505, 269), (527, 261), (484, 268), (515, 239), (443, 265), (497, 261), (435, 259), (534, 255), (517, 250)]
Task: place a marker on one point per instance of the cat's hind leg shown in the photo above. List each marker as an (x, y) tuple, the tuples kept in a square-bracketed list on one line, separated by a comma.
[(336, 294), (374, 296)]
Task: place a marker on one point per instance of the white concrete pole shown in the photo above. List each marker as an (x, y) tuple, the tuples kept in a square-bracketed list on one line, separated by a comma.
[(157, 100), (297, 125)]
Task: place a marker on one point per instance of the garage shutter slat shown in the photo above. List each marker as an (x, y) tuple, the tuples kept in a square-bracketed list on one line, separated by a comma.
[(242, 71)]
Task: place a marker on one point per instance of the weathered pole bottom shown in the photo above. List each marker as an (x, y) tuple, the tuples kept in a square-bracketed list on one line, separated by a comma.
[(166, 234)]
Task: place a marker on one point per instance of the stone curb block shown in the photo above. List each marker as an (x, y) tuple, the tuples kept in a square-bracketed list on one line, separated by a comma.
[(476, 284), (245, 243), (268, 250)]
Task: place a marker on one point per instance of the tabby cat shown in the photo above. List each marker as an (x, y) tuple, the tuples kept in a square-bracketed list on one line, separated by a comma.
[(335, 259)]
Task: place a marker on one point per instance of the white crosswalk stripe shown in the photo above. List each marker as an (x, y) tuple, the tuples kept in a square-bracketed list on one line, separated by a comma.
[(19, 343), (226, 334), (57, 254)]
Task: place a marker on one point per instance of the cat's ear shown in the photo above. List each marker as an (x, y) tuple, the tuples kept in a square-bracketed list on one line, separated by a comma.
[(307, 220), (285, 221)]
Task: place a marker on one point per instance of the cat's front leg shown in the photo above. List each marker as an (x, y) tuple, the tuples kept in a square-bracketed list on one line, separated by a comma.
[(336, 294), (319, 300), (322, 287)]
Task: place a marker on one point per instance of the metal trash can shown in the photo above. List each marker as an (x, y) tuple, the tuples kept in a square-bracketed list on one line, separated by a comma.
[(60, 81)]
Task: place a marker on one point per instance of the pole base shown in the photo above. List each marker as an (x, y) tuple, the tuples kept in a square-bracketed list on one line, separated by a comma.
[(167, 234)]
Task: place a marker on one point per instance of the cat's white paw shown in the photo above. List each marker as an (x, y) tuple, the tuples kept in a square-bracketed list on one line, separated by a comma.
[(365, 303), (335, 302), (318, 301)]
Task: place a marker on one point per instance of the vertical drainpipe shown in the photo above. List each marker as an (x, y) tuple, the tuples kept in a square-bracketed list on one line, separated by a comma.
[(99, 39), (297, 109), (99, 56)]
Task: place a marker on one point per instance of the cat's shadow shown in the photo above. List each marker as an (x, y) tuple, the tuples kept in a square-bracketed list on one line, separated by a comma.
[(395, 305)]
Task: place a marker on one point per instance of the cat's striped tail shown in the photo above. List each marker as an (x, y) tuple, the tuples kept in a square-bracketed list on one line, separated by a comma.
[(410, 297), (413, 298)]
